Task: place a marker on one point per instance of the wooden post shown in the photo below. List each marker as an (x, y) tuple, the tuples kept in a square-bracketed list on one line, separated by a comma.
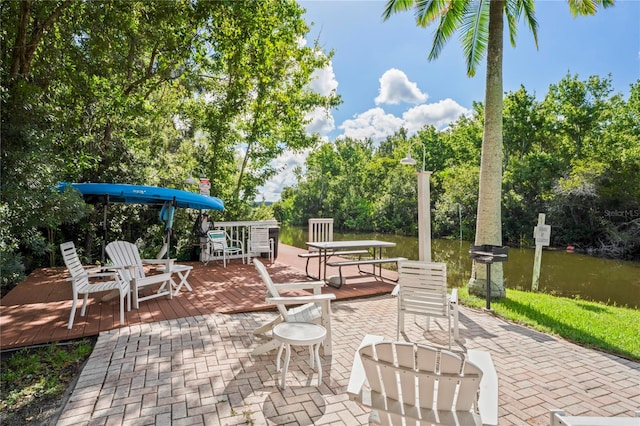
[(542, 234), (424, 216)]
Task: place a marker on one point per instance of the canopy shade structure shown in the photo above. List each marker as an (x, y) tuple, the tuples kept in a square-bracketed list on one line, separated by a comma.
[(168, 198), (139, 194)]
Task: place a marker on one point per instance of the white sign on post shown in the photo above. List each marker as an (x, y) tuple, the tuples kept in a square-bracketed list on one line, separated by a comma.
[(543, 235), (205, 186)]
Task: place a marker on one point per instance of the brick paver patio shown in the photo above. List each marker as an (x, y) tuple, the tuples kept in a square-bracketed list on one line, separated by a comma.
[(198, 371)]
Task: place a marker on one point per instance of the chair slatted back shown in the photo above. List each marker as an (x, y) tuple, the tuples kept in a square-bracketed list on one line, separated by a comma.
[(320, 229), (272, 291), (423, 288), (124, 253), (72, 261), (218, 239), (260, 239), (414, 377)]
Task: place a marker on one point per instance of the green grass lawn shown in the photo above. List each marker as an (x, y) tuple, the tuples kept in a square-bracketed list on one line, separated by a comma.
[(609, 328)]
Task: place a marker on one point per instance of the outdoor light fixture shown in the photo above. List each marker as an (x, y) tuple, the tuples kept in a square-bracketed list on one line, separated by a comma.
[(408, 161), (190, 180), (424, 204)]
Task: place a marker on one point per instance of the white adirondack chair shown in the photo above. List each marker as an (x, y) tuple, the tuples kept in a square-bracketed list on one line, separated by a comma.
[(260, 242), (81, 282), (126, 257), (408, 383), (423, 291), (314, 308), (217, 243)]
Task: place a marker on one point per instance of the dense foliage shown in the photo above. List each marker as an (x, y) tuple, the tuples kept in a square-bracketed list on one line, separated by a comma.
[(574, 155), (143, 92)]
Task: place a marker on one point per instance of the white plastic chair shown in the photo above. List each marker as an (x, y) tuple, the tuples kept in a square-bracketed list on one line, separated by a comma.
[(260, 242), (314, 308), (217, 243), (405, 383), (320, 229), (423, 291), (126, 257), (81, 282)]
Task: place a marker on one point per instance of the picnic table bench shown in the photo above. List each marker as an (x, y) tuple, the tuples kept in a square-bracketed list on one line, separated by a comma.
[(359, 262), (317, 254)]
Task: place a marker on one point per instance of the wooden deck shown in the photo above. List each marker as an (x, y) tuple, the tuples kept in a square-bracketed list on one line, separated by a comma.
[(37, 310)]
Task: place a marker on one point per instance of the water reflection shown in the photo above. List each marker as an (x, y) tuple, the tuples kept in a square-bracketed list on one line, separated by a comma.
[(562, 273)]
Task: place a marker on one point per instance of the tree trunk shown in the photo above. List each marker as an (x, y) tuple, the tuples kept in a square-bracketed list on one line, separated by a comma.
[(489, 221)]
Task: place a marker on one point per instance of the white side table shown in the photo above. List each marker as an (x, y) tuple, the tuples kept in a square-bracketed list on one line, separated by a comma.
[(299, 333)]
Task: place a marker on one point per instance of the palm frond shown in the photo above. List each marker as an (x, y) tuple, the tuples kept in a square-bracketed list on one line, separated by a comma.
[(514, 10), (475, 33), (395, 6), (450, 20), (428, 11), (588, 7), (529, 8)]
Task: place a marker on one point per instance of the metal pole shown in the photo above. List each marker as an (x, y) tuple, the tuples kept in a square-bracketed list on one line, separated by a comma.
[(488, 307), (105, 205)]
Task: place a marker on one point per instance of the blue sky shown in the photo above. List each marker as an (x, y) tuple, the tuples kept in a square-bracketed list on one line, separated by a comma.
[(380, 68)]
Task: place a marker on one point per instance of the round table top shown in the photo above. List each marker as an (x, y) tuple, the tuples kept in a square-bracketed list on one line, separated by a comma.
[(299, 333)]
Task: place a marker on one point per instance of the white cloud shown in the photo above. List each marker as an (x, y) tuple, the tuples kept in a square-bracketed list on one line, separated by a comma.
[(285, 163), (374, 124), (395, 88), (321, 122), (323, 81), (439, 114), (377, 124)]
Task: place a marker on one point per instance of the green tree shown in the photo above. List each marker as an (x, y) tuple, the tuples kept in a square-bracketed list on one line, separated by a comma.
[(145, 92), (522, 125), (481, 26)]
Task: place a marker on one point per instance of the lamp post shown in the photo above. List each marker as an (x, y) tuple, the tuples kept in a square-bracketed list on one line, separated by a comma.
[(424, 205)]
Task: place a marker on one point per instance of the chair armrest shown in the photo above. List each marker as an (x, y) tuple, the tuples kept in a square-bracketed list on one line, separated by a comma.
[(121, 266), (159, 262), (153, 279), (102, 274), (358, 376), (488, 401), (296, 300), (453, 297), (92, 269), (302, 285)]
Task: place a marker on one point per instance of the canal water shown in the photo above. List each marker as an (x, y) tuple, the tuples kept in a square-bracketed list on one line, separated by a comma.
[(562, 273)]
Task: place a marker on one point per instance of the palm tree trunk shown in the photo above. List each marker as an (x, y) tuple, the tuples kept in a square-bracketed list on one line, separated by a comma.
[(489, 222)]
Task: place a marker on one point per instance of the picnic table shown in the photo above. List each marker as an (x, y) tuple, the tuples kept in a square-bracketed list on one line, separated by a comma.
[(374, 248)]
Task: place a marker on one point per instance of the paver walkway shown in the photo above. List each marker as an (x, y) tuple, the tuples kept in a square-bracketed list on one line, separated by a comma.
[(198, 370)]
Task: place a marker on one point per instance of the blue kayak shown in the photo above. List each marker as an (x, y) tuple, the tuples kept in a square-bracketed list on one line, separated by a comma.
[(139, 194)]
